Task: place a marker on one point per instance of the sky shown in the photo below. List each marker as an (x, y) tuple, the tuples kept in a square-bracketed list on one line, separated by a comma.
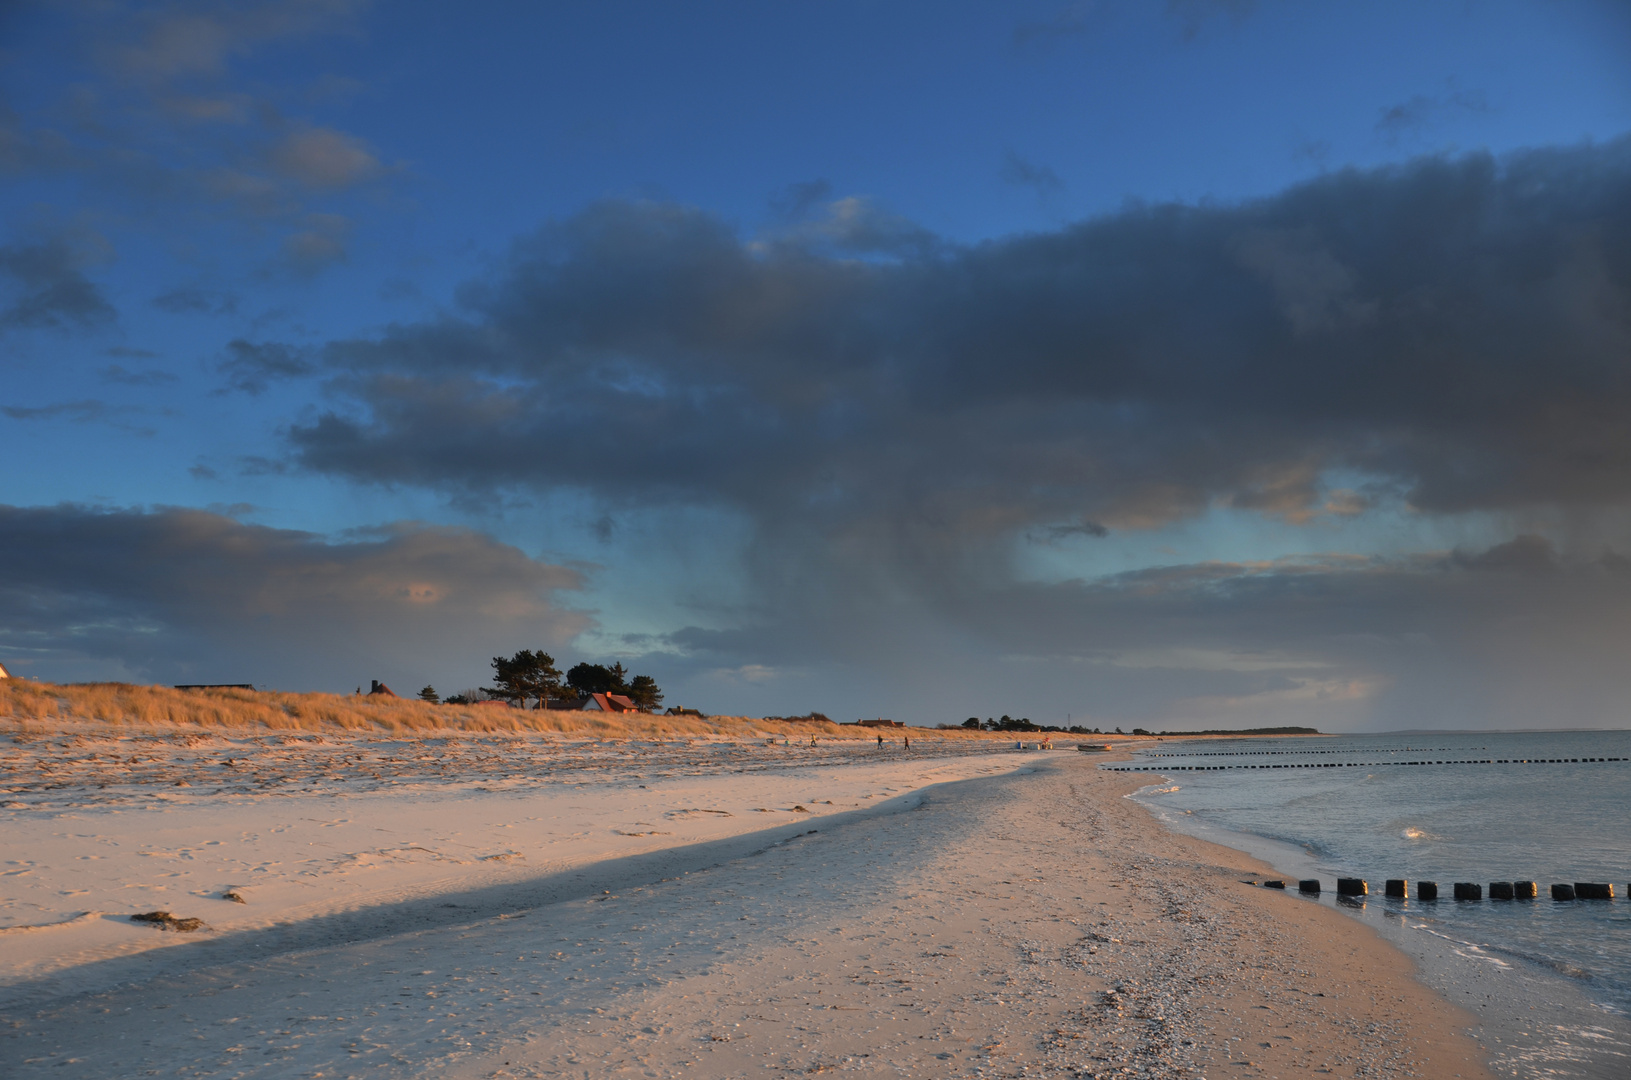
[(1208, 363)]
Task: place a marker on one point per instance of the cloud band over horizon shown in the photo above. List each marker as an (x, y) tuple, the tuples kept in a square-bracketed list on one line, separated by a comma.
[(897, 420)]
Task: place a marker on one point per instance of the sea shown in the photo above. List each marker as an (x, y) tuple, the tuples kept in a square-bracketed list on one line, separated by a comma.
[(1550, 981)]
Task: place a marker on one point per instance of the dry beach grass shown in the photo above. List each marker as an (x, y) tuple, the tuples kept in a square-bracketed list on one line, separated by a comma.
[(48, 706)]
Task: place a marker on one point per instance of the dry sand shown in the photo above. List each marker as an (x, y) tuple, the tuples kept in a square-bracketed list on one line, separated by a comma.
[(526, 908)]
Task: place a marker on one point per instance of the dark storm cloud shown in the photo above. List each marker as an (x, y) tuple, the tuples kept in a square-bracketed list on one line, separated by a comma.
[(86, 411), (1193, 15), (162, 119), (83, 412), (48, 288), (1516, 635), (114, 373), (188, 594), (1016, 170), (1456, 330), (1421, 111), (1055, 533), (797, 200), (317, 244), (196, 301), (252, 368), (1068, 22), (167, 43), (1084, 17), (1452, 336)]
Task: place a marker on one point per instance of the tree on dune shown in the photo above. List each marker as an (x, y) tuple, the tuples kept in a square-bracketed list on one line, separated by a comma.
[(589, 679), (645, 693), (526, 675)]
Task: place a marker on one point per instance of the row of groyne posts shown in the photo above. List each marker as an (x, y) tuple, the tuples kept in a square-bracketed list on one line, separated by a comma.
[(1399, 889)]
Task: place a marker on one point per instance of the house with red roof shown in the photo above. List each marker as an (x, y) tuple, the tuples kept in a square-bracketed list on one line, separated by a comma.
[(615, 703)]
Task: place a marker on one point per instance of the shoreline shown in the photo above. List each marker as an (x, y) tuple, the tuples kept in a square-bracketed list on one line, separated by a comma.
[(1533, 1015), (1028, 917)]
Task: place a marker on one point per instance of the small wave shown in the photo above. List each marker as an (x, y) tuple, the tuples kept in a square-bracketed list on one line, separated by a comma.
[(1413, 833), (1486, 951), (1540, 960)]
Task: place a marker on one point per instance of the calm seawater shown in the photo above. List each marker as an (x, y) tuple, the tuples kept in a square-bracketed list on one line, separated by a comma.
[(1551, 982)]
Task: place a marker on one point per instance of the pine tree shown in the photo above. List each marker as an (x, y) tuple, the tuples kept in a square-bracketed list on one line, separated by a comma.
[(526, 675), (645, 693)]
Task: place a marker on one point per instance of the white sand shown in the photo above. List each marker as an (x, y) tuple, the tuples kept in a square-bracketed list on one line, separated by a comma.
[(1028, 921), (72, 875)]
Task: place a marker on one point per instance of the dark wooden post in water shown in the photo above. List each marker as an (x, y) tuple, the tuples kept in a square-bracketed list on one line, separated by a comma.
[(1523, 890), (1562, 892), (1426, 890), (1309, 885), (1352, 886), (1468, 890), (1593, 890), (1398, 888), (1500, 890)]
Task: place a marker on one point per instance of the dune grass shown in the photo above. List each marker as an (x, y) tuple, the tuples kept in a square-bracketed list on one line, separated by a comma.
[(40, 705)]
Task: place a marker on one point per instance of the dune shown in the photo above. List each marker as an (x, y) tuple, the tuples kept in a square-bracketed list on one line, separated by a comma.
[(44, 707)]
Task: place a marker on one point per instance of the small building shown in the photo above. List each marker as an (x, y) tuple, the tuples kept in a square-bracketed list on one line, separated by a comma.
[(4, 674), (613, 703), (881, 723), (380, 689)]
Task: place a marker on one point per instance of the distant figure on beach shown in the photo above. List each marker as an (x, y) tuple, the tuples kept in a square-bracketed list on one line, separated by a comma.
[(812, 740), (907, 739), (880, 742)]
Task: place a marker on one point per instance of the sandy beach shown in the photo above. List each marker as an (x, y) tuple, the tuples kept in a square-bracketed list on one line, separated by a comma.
[(529, 907)]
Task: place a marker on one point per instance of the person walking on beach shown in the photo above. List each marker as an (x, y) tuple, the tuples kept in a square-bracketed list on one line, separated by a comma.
[(880, 742), (907, 739)]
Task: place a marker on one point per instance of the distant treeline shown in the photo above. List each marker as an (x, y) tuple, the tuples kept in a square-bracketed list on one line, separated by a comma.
[(1250, 731), (1008, 723)]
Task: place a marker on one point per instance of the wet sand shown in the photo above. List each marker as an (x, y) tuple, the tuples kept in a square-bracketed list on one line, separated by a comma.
[(992, 914)]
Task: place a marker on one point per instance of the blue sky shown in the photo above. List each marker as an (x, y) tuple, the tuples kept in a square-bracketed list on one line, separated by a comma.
[(1175, 364)]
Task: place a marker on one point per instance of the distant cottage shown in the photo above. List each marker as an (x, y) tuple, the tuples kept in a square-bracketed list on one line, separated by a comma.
[(614, 703), (381, 689)]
